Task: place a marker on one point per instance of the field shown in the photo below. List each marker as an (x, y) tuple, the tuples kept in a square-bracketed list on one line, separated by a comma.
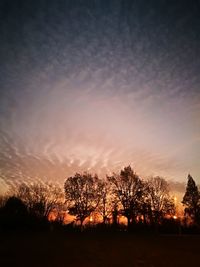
[(90, 250)]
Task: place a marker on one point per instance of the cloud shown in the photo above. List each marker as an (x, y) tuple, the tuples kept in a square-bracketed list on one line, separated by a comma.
[(99, 92), (178, 187)]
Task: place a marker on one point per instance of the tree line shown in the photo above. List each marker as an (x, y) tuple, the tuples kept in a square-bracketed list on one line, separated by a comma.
[(141, 202)]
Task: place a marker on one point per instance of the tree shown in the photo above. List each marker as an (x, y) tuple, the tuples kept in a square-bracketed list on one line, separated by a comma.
[(144, 205), (14, 213), (82, 193), (40, 198), (191, 200), (127, 186), (3, 200), (106, 202), (159, 199)]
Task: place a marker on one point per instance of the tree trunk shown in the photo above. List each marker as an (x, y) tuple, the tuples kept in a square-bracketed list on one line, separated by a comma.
[(104, 219), (81, 221), (129, 222)]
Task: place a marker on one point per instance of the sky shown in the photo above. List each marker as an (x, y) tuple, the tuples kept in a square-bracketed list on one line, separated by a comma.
[(95, 85)]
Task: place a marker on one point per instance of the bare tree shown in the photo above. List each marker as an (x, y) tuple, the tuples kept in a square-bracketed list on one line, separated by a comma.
[(82, 193), (105, 206), (127, 186), (159, 199), (144, 203), (3, 200), (40, 198)]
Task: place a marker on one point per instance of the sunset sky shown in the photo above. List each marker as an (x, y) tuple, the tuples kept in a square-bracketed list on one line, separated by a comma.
[(96, 85)]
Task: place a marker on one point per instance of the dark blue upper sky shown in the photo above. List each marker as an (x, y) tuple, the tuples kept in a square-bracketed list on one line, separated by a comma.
[(148, 37)]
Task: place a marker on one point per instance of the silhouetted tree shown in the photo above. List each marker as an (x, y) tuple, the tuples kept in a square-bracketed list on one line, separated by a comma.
[(40, 198), (144, 204), (14, 213), (105, 203), (159, 199), (3, 200), (127, 186), (191, 200), (82, 193), (115, 213)]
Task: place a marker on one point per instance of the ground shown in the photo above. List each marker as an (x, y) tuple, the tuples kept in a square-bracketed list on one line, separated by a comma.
[(89, 250)]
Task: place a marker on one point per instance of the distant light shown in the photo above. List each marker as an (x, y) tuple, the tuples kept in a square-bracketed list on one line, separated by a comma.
[(174, 217), (91, 219)]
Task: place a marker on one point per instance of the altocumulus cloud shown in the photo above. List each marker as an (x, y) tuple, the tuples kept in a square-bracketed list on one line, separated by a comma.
[(96, 85)]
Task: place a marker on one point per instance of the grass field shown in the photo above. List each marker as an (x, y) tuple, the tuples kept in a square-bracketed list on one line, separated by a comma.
[(90, 250)]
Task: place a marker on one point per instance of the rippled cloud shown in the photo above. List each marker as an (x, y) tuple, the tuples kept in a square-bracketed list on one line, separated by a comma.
[(97, 86)]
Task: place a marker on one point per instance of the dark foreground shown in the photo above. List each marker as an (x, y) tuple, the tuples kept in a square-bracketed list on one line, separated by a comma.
[(87, 249)]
